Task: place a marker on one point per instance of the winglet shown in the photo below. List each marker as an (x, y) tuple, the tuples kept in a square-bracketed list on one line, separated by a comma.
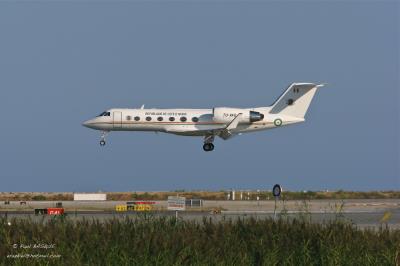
[(142, 107)]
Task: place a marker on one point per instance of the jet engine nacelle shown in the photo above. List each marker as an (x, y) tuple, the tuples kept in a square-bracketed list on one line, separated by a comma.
[(226, 115)]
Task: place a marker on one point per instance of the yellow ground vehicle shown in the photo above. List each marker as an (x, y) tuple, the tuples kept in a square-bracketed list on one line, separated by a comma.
[(135, 206)]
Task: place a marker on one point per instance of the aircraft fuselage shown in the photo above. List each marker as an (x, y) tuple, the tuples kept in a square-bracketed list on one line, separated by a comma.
[(190, 122)]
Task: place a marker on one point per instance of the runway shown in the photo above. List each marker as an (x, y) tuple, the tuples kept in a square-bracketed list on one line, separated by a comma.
[(360, 219), (361, 213)]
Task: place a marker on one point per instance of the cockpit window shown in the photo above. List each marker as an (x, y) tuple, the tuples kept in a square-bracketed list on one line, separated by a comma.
[(105, 114)]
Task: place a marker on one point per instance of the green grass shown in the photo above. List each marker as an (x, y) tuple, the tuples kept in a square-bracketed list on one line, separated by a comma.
[(163, 241), (39, 197)]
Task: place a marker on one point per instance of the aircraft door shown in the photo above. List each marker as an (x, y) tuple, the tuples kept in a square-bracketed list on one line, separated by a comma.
[(117, 119)]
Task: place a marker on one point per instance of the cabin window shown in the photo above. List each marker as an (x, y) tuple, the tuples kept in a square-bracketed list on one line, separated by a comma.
[(183, 119), (160, 118), (290, 101), (128, 117), (137, 118), (195, 119), (172, 119), (148, 118)]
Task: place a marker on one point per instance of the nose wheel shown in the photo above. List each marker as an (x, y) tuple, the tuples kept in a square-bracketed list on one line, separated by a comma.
[(103, 138), (208, 147)]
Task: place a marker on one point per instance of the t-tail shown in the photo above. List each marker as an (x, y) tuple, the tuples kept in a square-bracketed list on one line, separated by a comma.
[(296, 100)]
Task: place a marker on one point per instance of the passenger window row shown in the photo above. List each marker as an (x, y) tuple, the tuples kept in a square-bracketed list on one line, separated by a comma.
[(160, 118)]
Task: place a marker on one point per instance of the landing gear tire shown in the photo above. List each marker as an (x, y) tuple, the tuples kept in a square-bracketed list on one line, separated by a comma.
[(208, 147), (103, 138)]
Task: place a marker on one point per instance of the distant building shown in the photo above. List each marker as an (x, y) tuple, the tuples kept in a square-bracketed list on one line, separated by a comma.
[(90, 196)]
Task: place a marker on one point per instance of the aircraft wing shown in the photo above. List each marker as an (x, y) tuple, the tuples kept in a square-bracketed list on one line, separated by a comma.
[(227, 133), (224, 132)]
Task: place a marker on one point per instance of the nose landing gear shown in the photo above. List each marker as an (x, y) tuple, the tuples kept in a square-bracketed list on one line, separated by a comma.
[(103, 138)]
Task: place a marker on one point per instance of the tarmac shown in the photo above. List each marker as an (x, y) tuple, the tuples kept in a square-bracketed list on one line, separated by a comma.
[(369, 213)]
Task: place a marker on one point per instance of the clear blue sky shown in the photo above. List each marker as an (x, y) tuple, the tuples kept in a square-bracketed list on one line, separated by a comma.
[(62, 62)]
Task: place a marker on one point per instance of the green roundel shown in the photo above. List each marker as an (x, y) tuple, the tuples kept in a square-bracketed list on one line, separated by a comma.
[(278, 122)]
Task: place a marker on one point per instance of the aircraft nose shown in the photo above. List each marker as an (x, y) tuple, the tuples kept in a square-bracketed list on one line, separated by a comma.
[(87, 123)]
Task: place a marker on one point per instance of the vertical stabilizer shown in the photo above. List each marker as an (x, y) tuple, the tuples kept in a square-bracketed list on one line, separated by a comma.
[(295, 100)]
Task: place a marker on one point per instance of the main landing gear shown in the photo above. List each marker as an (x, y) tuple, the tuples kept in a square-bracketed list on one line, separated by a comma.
[(208, 147), (208, 143), (103, 138)]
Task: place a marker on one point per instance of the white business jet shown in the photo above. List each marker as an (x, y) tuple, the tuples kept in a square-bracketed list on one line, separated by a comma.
[(225, 122)]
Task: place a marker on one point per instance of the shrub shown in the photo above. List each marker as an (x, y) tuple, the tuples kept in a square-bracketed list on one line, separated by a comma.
[(39, 197), (148, 240)]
